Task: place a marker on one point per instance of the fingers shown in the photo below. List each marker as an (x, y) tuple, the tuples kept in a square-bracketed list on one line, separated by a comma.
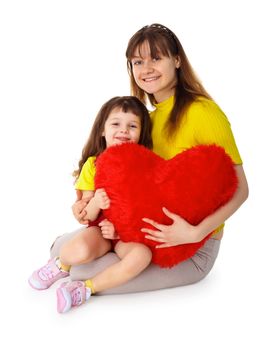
[(166, 245), (155, 238), (77, 207), (154, 223), (79, 194), (155, 235), (83, 222), (81, 218), (79, 212), (108, 230), (105, 224), (170, 214), (102, 192), (105, 203), (103, 199)]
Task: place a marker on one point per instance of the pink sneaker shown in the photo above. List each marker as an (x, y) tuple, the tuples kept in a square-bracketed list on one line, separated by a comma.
[(71, 294), (46, 275)]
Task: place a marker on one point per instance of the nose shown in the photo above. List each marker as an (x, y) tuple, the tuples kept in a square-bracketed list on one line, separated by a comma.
[(148, 66), (124, 129)]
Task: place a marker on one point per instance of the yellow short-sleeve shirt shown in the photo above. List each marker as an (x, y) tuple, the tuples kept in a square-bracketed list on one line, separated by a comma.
[(85, 181), (203, 123)]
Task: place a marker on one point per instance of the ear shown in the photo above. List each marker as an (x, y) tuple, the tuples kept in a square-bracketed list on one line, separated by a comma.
[(177, 62)]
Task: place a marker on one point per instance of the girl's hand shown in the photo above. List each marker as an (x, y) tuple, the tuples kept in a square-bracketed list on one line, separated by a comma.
[(101, 198), (108, 230), (179, 232), (79, 206)]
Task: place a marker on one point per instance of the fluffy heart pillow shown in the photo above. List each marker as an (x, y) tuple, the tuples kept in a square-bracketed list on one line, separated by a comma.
[(139, 183)]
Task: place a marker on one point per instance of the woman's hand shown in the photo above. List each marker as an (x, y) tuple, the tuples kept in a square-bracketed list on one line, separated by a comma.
[(179, 232), (108, 230), (79, 206)]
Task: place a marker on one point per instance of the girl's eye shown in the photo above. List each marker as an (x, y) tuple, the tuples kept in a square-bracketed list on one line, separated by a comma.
[(154, 59), (115, 124), (133, 126)]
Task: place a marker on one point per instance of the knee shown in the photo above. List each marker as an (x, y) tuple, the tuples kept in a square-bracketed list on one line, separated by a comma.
[(145, 254), (76, 253), (141, 258)]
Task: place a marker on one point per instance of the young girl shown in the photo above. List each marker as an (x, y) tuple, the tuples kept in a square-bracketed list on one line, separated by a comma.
[(120, 120), (184, 116)]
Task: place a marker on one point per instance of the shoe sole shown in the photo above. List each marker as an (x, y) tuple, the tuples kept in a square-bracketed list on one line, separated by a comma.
[(36, 285), (64, 301)]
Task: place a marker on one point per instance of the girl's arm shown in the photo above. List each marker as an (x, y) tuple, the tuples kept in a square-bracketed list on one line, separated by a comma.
[(181, 232), (100, 200)]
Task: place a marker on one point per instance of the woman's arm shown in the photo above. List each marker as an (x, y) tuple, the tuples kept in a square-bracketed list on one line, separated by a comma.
[(223, 213), (181, 232), (79, 206)]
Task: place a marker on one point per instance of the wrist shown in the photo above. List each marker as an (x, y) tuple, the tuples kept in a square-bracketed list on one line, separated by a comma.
[(94, 203), (197, 233)]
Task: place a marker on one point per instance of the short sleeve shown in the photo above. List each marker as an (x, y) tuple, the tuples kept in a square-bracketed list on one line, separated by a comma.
[(211, 126), (85, 181)]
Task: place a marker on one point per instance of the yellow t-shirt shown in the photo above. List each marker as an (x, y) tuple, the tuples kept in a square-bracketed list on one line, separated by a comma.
[(85, 181), (203, 123)]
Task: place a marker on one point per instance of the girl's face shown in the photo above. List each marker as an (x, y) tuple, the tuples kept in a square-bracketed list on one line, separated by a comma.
[(121, 127), (155, 76)]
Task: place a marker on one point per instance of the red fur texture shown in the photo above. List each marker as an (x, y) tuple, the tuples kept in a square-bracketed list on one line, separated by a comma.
[(139, 183)]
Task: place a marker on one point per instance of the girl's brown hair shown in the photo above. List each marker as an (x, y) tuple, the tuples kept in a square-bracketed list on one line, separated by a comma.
[(162, 41), (96, 143)]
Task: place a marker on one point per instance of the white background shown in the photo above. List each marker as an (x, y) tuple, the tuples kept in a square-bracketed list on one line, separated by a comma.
[(59, 61)]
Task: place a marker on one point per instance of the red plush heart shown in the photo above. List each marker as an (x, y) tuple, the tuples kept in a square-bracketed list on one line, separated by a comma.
[(139, 183)]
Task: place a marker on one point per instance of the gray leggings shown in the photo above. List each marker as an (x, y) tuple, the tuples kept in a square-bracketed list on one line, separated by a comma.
[(153, 277)]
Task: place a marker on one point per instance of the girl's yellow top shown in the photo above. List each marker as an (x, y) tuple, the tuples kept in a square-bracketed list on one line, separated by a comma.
[(85, 181)]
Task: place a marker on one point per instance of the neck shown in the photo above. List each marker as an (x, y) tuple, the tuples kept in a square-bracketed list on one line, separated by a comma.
[(164, 95)]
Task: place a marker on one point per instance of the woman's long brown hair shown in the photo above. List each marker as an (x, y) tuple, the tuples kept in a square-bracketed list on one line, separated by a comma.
[(96, 143), (162, 41)]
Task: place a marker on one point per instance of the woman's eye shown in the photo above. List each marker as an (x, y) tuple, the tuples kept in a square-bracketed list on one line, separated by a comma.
[(136, 63)]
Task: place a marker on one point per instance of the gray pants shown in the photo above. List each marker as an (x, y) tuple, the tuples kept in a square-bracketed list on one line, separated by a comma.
[(153, 277)]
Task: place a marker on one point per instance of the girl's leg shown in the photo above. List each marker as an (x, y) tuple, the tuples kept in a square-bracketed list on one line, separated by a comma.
[(60, 240), (135, 257), (84, 247), (153, 277)]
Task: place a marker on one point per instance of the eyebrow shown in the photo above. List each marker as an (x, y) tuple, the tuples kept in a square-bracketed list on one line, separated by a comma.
[(119, 118)]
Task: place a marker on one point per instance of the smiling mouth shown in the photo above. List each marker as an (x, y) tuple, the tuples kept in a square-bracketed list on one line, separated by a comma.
[(147, 80), (123, 139)]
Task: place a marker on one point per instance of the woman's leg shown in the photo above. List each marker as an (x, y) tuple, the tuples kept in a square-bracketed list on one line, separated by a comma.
[(153, 277), (190, 271)]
